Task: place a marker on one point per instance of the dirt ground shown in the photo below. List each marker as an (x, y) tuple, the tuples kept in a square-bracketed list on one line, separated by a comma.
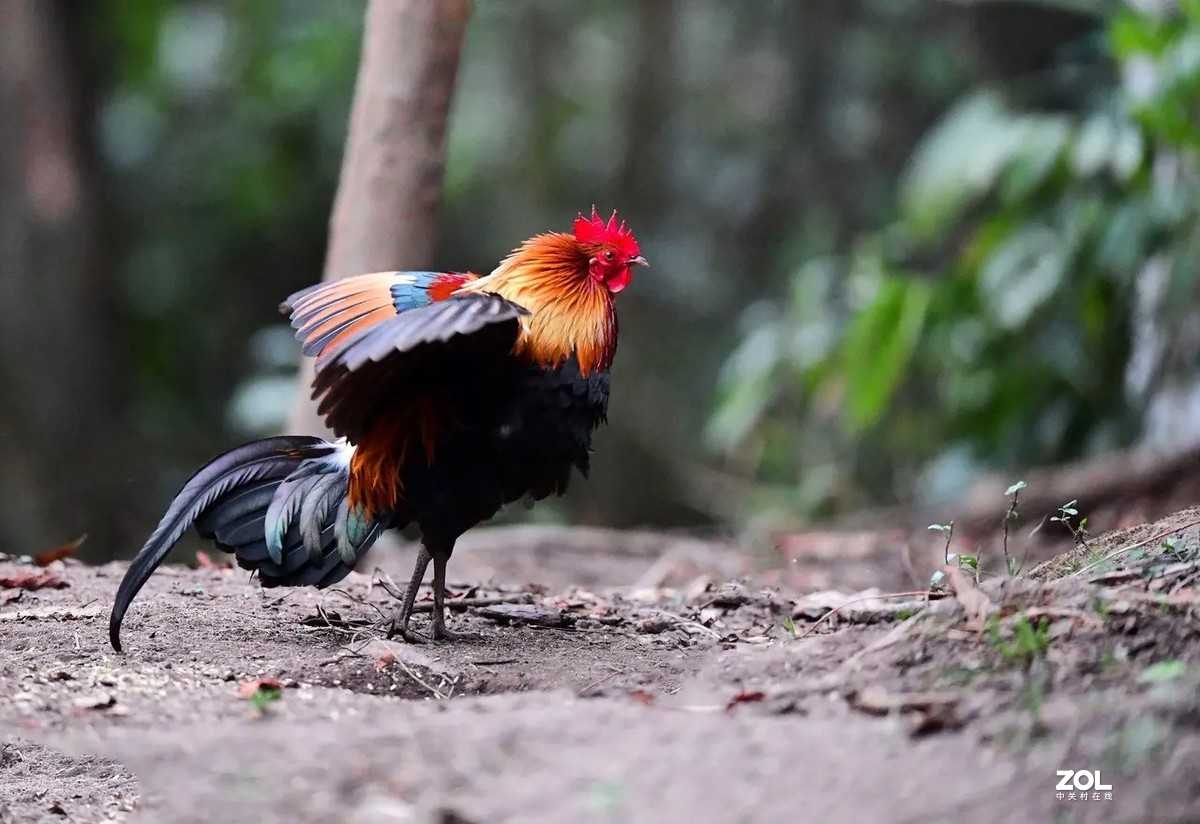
[(617, 681)]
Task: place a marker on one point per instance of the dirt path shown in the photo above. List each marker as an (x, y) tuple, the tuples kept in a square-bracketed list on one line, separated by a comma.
[(672, 702)]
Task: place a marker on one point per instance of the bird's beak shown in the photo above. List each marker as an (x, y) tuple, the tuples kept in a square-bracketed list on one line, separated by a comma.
[(639, 261)]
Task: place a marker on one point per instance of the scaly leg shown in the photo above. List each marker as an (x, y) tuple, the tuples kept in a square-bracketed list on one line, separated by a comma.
[(400, 620), (439, 631)]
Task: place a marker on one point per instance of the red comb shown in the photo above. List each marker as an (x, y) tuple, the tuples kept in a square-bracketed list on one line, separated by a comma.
[(596, 230)]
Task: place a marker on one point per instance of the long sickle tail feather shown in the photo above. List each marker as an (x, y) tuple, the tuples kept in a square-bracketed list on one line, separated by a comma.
[(274, 504)]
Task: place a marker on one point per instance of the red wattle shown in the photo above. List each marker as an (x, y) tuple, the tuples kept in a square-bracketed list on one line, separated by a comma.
[(619, 281)]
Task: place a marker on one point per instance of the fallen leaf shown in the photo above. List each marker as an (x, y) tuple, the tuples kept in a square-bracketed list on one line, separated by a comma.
[(875, 700), (642, 697), (816, 604), (975, 604), (745, 698), (938, 718), (730, 596), (32, 580), (654, 625), (248, 689), (383, 653), (96, 701), (64, 551), (205, 561)]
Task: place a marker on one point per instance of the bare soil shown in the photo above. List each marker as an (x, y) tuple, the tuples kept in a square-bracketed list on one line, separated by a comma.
[(620, 679)]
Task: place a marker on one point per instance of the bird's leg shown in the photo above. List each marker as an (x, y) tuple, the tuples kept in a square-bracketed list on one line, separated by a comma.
[(439, 631), (401, 618)]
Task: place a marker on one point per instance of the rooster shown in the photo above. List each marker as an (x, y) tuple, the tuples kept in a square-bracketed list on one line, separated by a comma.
[(451, 395)]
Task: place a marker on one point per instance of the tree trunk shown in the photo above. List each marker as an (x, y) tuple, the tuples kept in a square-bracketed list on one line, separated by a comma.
[(385, 212), (60, 356)]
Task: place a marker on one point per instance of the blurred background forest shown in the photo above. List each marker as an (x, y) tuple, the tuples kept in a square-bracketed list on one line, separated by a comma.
[(894, 244)]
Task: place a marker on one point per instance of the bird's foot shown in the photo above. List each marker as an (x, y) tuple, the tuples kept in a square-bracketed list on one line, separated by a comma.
[(410, 636), (440, 633), (399, 626)]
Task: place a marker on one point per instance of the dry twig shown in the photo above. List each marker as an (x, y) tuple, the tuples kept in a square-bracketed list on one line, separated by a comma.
[(836, 610), (583, 693), (1151, 540)]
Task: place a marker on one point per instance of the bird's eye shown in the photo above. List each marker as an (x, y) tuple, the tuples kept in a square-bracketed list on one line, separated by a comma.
[(609, 256)]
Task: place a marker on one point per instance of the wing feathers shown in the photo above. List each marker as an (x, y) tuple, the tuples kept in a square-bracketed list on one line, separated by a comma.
[(326, 316), (438, 322), (316, 343), (365, 322), (387, 320), (359, 372), (323, 312), (328, 313)]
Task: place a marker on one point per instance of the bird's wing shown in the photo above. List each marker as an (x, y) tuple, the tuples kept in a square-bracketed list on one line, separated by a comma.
[(368, 368), (328, 314)]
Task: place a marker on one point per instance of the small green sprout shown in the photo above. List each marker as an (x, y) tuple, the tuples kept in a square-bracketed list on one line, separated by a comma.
[(1010, 518), (261, 693), (1029, 641)]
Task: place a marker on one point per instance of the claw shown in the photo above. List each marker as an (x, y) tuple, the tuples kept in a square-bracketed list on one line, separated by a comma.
[(411, 636), (399, 626), (440, 633)]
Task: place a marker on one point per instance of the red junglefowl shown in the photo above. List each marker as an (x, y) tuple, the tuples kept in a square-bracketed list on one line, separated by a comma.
[(451, 394)]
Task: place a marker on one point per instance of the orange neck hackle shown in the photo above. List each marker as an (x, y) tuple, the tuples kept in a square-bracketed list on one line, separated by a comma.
[(571, 312)]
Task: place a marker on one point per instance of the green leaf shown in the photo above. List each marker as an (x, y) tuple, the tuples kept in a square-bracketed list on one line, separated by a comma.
[(740, 410), (1161, 671), (1094, 145), (1022, 274), (1015, 488), (261, 699), (1131, 32), (878, 346), (1042, 145), (960, 160), (1128, 152)]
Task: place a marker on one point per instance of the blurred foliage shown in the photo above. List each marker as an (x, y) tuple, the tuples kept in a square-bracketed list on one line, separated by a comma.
[(220, 127), (736, 142), (1032, 164), (1035, 291)]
